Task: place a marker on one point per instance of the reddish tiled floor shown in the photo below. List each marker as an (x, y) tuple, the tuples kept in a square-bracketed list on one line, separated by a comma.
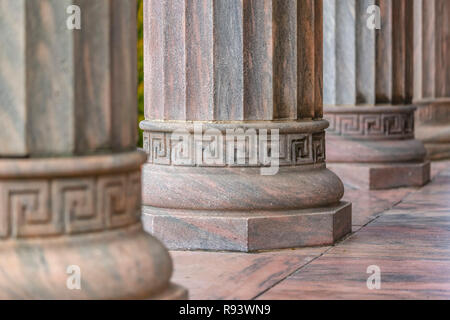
[(217, 275), (368, 204), (406, 232), (412, 252)]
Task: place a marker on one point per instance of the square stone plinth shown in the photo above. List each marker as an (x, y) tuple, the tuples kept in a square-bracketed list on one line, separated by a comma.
[(385, 176), (252, 231)]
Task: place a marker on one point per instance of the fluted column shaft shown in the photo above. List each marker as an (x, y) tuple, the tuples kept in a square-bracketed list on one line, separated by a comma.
[(229, 65), (368, 87), (70, 178), (432, 75)]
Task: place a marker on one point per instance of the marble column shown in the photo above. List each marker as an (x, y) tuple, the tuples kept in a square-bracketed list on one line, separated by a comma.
[(70, 175), (432, 75), (234, 128), (368, 89)]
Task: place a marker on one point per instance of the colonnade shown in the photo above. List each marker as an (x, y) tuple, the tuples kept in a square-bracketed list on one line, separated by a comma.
[(234, 131)]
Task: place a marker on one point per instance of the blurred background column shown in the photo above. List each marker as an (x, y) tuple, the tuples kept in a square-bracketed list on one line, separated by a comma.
[(213, 67), (70, 175), (432, 75), (368, 89)]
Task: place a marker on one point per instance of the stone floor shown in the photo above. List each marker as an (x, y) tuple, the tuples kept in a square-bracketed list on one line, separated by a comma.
[(406, 232)]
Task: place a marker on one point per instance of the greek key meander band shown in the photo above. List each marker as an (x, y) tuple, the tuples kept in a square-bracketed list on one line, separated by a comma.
[(164, 148), (372, 125), (58, 206)]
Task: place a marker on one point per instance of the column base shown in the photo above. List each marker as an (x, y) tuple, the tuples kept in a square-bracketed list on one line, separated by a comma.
[(229, 206), (382, 176), (433, 128), (374, 147), (248, 231), (70, 229)]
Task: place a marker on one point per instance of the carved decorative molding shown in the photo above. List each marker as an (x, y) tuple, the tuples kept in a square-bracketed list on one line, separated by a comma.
[(372, 125), (164, 148), (57, 206)]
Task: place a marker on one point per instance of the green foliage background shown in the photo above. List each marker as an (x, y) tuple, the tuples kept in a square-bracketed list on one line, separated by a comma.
[(140, 47)]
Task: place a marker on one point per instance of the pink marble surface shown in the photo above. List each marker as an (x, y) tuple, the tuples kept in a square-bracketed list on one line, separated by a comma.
[(410, 244), (406, 232), (217, 275)]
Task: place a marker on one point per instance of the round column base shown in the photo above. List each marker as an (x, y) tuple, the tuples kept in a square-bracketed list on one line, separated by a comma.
[(70, 229), (433, 128), (192, 205), (350, 150), (374, 147)]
